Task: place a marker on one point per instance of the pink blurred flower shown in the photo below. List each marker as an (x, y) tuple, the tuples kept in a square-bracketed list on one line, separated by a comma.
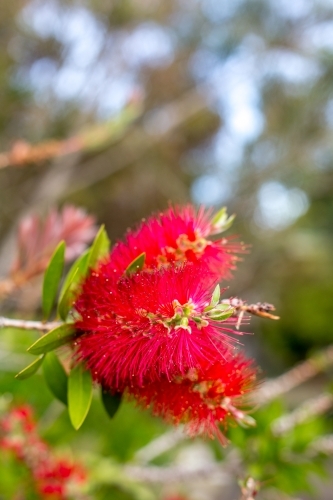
[(37, 237)]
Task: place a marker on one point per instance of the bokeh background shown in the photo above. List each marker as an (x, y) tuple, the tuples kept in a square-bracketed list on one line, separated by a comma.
[(213, 102)]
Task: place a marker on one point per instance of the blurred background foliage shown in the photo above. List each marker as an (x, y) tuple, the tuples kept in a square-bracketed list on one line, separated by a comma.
[(233, 105)]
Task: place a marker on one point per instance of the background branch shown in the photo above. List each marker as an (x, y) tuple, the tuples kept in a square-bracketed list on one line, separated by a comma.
[(309, 368)]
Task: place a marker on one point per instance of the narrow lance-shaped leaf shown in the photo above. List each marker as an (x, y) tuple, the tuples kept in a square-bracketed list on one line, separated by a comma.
[(30, 370), (78, 267), (111, 402), (71, 284), (55, 377), (137, 264), (52, 278), (99, 248), (79, 395), (67, 299), (53, 339)]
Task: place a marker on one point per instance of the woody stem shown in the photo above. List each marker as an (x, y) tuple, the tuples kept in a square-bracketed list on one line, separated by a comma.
[(28, 325)]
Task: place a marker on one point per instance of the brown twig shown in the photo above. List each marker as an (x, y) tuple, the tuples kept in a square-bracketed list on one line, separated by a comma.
[(310, 408), (225, 471), (160, 445), (18, 279), (324, 444), (261, 309), (97, 136), (294, 377)]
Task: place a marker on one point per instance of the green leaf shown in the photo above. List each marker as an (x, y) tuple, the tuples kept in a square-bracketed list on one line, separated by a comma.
[(52, 278), (137, 264), (216, 296), (53, 339), (79, 395), (71, 284), (111, 402), (67, 299), (30, 369), (76, 272), (99, 248), (55, 377)]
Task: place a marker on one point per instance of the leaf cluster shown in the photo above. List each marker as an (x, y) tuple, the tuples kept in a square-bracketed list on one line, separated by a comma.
[(73, 386)]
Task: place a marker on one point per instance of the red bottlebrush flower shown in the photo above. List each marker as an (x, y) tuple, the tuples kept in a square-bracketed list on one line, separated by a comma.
[(56, 491), (150, 324), (177, 235), (20, 416), (204, 399), (52, 477)]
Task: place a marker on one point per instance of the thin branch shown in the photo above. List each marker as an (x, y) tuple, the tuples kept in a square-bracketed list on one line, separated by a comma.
[(13, 283), (160, 445), (324, 444), (294, 377), (28, 325), (94, 138), (176, 474), (310, 408), (261, 309)]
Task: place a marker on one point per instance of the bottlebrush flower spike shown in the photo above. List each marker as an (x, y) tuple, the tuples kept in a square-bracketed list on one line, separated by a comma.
[(150, 324), (205, 398), (177, 235)]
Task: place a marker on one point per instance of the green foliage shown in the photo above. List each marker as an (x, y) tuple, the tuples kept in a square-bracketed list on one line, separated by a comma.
[(79, 395), (79, 269), (111, 402), (55, 377), (123, 491), (31, 369), (67, 298), (16, 479), (75, 273), (52, 340), (282, 461), (99, 248), (52, 279)]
